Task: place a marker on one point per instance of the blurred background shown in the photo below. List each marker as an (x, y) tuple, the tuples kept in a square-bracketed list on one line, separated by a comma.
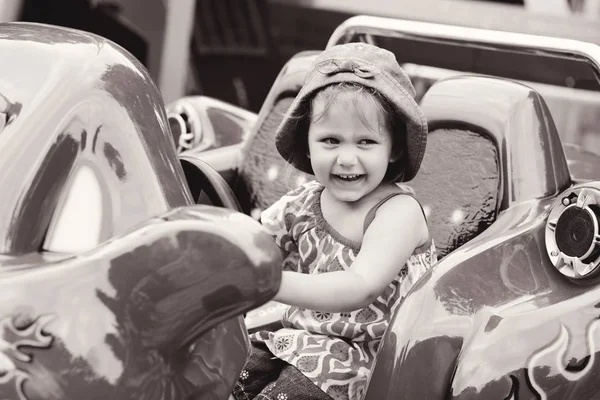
[(233, 50)]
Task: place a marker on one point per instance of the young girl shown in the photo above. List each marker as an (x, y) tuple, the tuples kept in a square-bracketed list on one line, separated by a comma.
[(355, 242)]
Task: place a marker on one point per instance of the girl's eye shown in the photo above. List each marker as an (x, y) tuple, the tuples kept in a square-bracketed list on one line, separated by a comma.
[(330, 141), (366, 142)]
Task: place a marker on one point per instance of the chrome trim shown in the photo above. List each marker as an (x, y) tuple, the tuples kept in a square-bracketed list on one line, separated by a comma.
[(469, 37)]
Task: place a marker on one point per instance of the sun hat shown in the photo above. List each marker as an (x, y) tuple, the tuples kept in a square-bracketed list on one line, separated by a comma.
[(372, 67)]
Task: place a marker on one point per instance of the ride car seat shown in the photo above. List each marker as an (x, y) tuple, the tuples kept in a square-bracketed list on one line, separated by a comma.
[(458, 184), (263, 175)]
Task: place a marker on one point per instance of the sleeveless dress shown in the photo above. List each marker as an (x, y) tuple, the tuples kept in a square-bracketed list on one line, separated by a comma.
[(334, 350)]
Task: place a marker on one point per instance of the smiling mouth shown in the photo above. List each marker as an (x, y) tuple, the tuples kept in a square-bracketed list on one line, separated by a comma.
[(348, 177)]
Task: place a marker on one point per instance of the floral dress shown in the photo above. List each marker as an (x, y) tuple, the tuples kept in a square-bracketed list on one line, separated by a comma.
[(334, 350)]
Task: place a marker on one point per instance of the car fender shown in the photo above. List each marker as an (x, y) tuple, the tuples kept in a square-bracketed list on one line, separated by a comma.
[(493, 320)]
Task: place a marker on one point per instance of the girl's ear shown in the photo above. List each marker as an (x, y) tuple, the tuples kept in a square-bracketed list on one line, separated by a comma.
[(396, 154)]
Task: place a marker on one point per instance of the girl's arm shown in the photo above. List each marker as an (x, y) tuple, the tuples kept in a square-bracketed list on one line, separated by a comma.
[(398, 228)]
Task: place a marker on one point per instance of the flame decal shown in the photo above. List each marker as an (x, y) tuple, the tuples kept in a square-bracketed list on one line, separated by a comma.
[(553, 356), (11, 339)]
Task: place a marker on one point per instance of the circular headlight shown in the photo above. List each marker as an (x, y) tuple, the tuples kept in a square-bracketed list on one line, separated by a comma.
[(572, 233)]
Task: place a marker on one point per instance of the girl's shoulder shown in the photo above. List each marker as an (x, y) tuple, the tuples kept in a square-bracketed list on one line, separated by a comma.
[(397, 206), (383, 197)]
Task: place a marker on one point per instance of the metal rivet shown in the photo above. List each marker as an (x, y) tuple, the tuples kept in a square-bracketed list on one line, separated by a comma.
[(566, 201), (554, 253)]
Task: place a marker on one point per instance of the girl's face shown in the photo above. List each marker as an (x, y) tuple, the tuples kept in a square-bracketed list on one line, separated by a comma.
[(349, 152)]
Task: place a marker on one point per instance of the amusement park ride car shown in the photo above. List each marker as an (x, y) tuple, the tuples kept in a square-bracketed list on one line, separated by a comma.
[(113, 284)]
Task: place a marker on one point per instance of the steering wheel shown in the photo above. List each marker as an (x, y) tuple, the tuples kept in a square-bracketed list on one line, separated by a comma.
[(202, 177)]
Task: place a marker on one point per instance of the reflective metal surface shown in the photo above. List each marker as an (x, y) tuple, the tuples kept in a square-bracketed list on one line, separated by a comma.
[(112, 285)]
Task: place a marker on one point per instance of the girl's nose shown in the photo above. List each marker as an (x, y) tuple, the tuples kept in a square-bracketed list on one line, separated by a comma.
[(346, 158)]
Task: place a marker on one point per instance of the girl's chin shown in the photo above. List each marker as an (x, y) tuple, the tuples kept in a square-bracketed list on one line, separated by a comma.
[(348, 195)]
